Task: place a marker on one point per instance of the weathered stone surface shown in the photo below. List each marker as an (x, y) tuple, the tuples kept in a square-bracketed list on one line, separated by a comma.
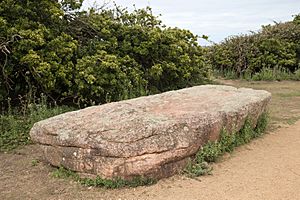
[(151, 136)]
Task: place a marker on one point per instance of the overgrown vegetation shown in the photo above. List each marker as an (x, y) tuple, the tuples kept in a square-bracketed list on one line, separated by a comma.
[(91, 57), (100, 182), (15, 124), (211, 151), (270, 54)]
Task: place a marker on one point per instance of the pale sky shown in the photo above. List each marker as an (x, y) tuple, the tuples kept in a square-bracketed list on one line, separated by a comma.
[(216, 18)]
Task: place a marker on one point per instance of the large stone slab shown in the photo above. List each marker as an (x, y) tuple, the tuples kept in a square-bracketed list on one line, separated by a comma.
[(151, 136)]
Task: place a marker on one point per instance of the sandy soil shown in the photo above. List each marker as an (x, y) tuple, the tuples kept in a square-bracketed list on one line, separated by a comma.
[(267, 168)]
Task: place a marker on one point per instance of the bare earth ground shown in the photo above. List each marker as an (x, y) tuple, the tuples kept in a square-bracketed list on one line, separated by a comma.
[(267, 168)]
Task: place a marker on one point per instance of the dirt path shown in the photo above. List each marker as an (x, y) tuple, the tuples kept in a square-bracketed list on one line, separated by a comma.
[(267, 168)]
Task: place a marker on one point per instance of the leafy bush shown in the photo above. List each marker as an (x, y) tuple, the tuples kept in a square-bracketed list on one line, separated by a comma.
[(111, 79), (270, 54), (209, 152), (95, 56)]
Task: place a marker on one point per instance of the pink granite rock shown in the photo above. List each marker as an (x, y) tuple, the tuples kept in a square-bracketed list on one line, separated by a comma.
[(151, 136)]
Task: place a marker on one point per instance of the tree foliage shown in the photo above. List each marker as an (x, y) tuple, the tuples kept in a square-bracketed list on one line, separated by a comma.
[(93, 56), (275, 47)]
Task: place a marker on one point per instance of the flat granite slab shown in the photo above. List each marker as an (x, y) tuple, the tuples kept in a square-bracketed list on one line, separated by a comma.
[(151, 136)]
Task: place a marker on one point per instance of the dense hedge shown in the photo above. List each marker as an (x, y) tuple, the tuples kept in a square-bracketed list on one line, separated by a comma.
[(273, 50), (92, 56), (101, 55)]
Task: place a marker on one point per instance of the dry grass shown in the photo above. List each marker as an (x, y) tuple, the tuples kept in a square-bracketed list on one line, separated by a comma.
[(285, 105)]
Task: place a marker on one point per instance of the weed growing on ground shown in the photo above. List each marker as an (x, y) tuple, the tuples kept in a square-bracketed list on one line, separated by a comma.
[(261, 125), (194, 169), (211, 151), (34, 162), (64, 173)]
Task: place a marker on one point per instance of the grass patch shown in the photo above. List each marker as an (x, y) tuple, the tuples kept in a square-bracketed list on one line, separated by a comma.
[(291, 94), (265, 74), (15, 125), (211, 151), (63, 173)]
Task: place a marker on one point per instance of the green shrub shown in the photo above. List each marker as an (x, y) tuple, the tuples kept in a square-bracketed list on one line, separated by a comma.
[(95, 56), (273, 53), (209, 152), (111, 79), (245, 135), (227, 141), (262, 124), (194, 169)]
